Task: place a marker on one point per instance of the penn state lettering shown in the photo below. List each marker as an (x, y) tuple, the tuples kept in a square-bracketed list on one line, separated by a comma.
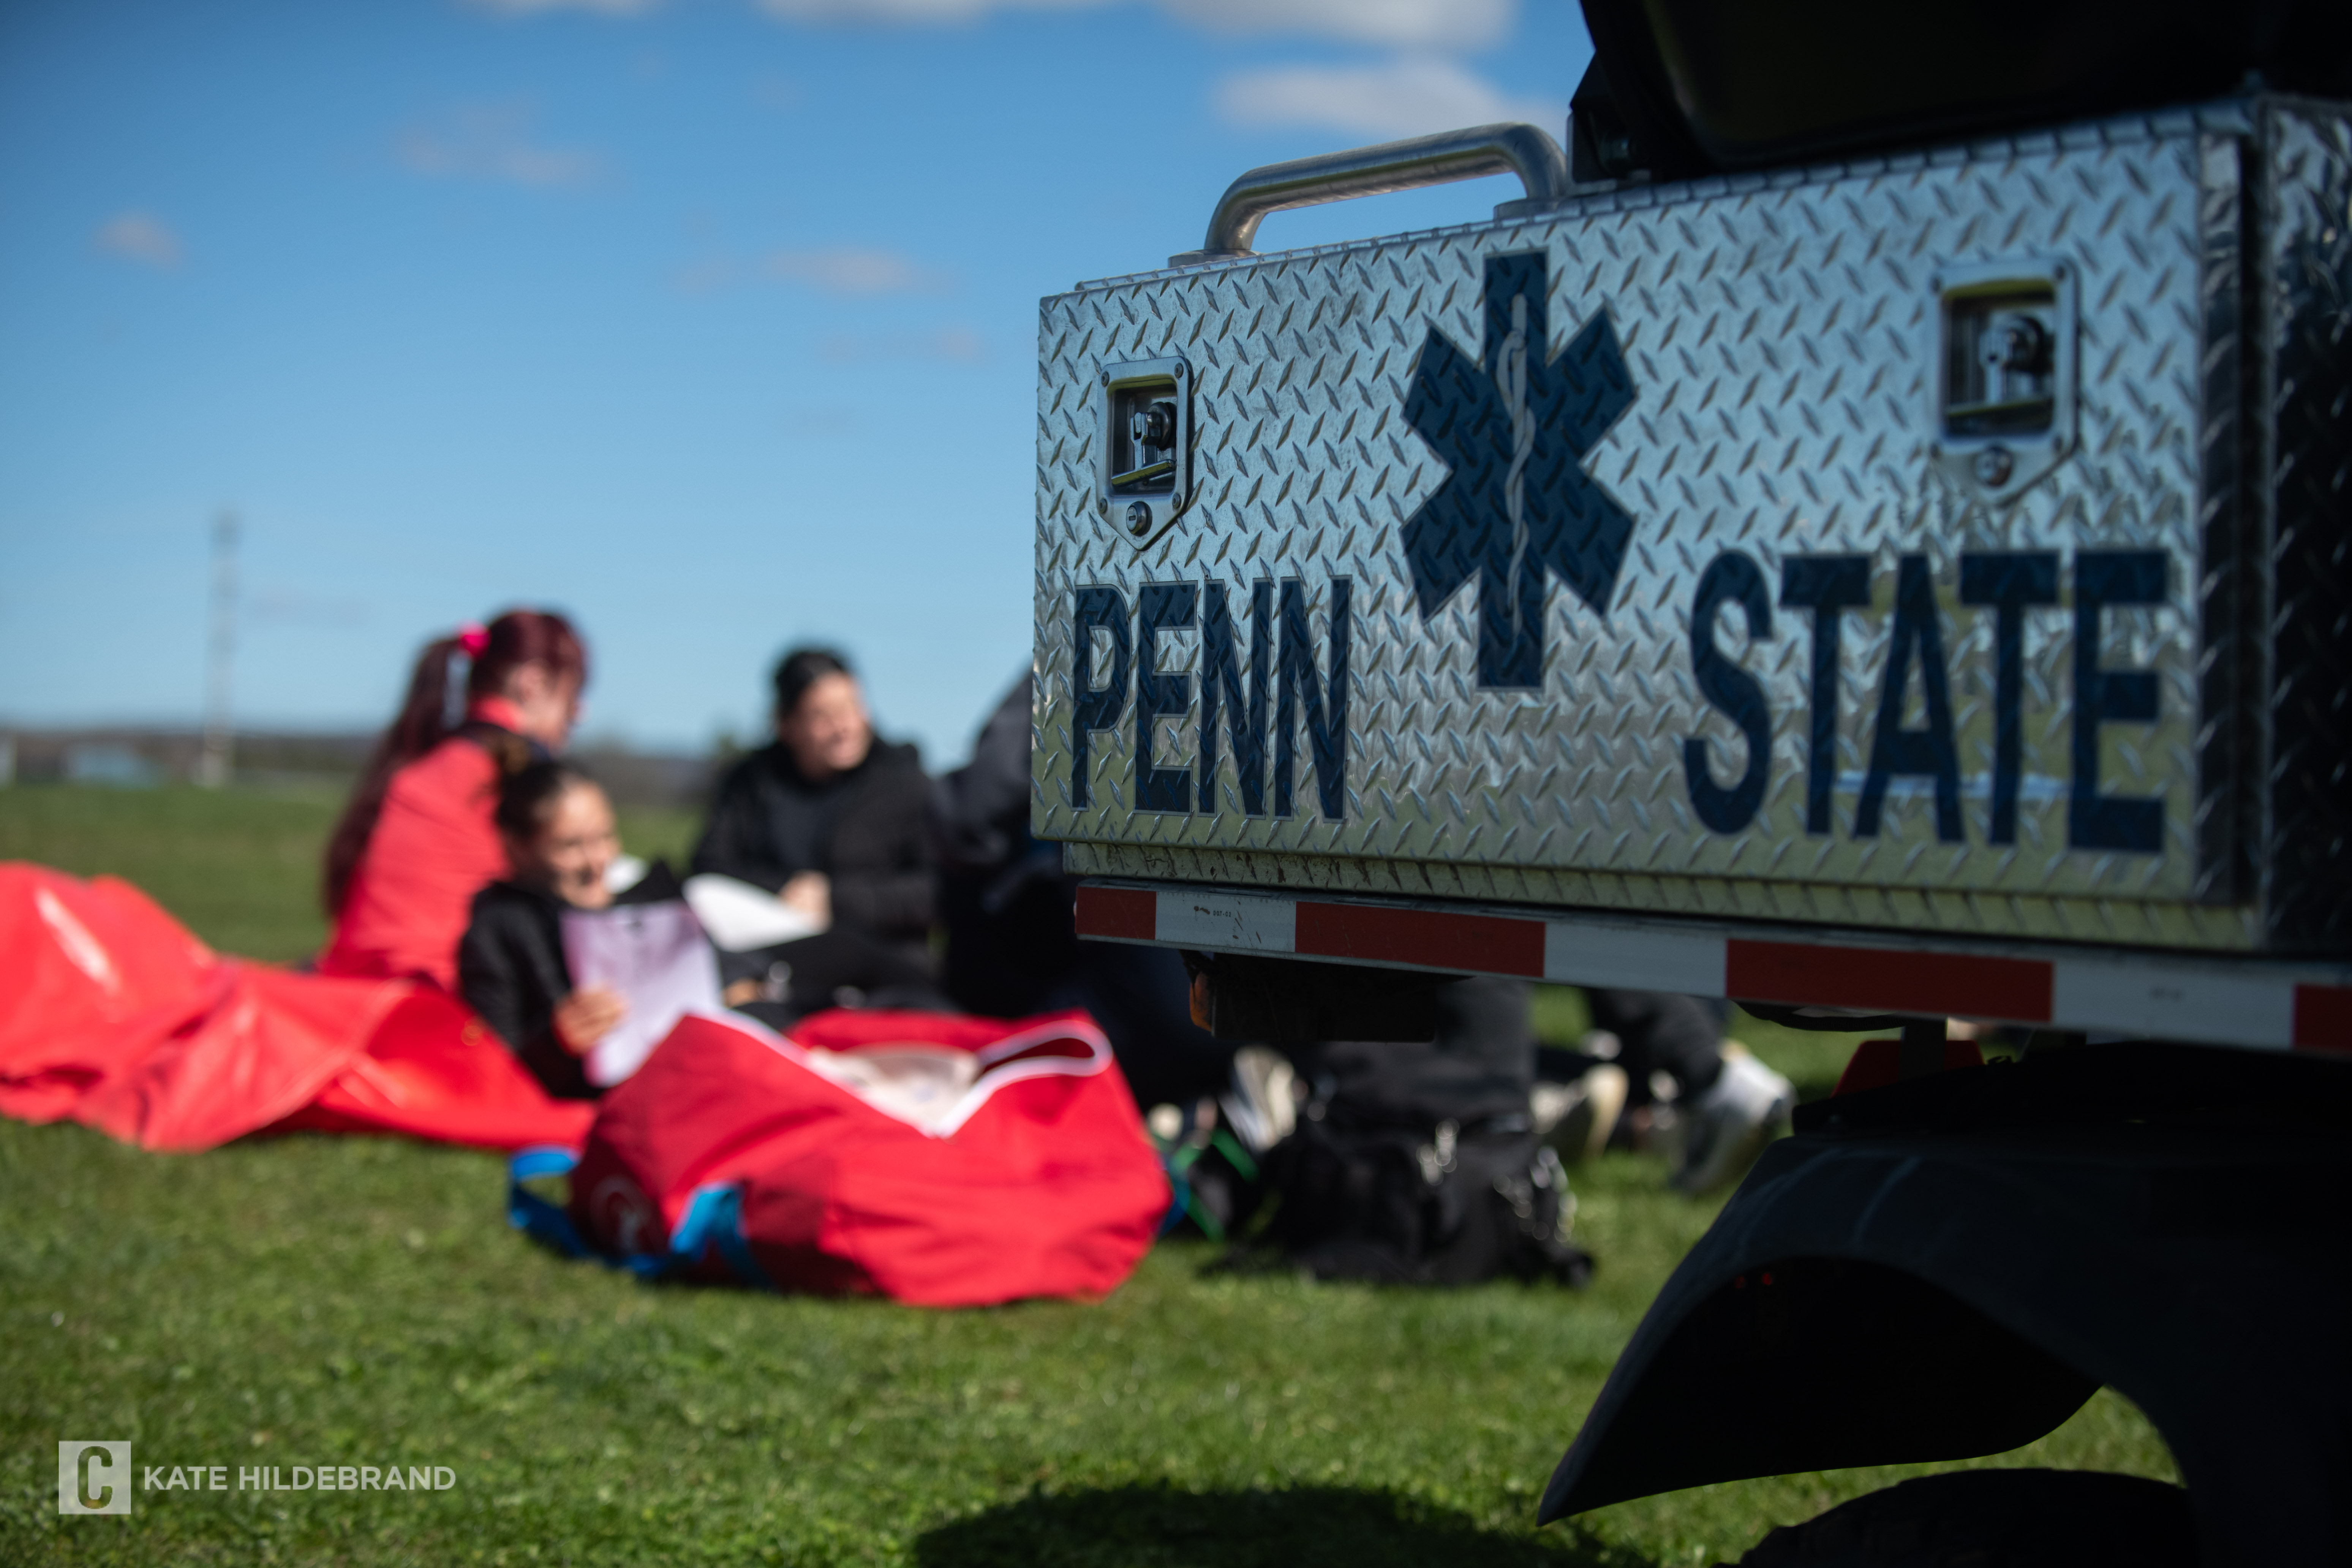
[(2004, 583), (1257, 705)]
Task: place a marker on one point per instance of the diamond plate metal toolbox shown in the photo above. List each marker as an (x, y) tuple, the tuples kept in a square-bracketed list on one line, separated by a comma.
[(1954, 543)]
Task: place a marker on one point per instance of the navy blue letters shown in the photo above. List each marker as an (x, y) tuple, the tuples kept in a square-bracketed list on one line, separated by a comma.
[(1730, 578), (1259, 699), (1828, 585), (1232, 707), (1098, 706), (1221, 688), (2094, 821), (1159, 607), (1918, 637), (1326, 707), (2008, 583)]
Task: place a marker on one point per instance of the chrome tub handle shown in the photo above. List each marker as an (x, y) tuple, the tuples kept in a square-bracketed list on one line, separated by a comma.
[(1526, 151)]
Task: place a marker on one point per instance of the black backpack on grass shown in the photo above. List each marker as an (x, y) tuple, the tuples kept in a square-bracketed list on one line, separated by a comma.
[(1418, 1164)]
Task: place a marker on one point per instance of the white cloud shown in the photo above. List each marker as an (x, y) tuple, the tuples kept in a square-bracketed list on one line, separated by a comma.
[(957, 345), (1408, 96), (1396, 23), (493, 142), (140, 236), (918, 13), (543, 7), (848, 269)]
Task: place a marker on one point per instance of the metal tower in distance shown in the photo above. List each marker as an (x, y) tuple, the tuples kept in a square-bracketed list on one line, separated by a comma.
[(218, 758)]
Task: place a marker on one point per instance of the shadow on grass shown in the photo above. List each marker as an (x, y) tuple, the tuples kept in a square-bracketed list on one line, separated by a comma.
[(1302, 1527)]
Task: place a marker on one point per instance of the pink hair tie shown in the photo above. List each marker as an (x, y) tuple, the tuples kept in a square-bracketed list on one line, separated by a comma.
[(474, 638)]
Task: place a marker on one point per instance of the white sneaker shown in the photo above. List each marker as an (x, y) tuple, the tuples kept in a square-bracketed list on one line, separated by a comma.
[(1728, 1125), (1260, 1101), (1576, 1118)]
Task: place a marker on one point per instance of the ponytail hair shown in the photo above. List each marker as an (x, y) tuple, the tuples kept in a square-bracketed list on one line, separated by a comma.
[(430, 714)]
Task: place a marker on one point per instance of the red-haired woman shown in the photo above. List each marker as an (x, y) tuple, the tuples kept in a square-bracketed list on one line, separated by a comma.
[(418, 840)]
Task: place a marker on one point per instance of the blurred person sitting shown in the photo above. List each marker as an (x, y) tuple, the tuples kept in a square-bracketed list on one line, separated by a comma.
[(558, 828), (1013, 945), (417, 840), (1421, 1162), (829, 820), (1725, 1105)]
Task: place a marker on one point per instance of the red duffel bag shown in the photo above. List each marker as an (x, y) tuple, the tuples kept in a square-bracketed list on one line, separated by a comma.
[(943, 1160)]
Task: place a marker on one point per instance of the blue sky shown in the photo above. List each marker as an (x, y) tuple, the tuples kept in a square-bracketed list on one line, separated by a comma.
[(709, 321)]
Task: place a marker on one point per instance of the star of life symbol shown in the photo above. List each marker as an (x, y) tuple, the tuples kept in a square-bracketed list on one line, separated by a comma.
[(1517, 504)]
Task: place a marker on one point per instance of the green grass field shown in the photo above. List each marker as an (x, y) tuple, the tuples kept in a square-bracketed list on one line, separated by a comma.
[(314, 1300)]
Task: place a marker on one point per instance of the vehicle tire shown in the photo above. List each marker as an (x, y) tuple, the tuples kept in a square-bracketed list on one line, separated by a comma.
[(1994, 1519)]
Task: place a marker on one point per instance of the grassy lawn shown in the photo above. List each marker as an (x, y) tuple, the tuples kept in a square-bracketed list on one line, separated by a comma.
[(314, 1300)]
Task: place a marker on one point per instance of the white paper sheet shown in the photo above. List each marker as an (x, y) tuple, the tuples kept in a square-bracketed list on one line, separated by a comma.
[(654, 955), (920, 1085), (740, 917)]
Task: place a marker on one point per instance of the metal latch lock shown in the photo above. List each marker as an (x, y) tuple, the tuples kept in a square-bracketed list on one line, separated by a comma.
[(2002, 372), (1144, 446)]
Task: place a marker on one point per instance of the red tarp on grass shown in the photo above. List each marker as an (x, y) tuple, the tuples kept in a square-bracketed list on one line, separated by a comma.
[(112, 1015)]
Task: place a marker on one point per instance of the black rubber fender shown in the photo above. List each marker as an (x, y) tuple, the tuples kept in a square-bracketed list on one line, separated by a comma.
[(1994, 1519), (1957, 1265)]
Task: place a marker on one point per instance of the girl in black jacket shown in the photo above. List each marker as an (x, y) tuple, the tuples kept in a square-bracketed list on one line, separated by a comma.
[(558, 828)]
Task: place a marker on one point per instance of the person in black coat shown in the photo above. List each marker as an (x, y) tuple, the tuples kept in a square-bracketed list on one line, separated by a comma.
[(1012, 944), (558, 828), (830, 819)]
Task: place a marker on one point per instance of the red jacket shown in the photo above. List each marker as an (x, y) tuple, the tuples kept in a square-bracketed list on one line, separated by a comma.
[(433, 848)]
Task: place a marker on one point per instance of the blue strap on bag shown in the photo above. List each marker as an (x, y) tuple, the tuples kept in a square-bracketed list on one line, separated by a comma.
[(713, 1221), (535, 1215)]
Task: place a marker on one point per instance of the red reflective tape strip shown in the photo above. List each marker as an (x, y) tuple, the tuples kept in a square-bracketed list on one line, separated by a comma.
[(1926, 982), (1129, 912), (2323, 1018), (1483, 944)]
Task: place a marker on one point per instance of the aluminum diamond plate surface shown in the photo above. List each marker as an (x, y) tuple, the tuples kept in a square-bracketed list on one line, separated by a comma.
[(2308, 270), (1518, 460)]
